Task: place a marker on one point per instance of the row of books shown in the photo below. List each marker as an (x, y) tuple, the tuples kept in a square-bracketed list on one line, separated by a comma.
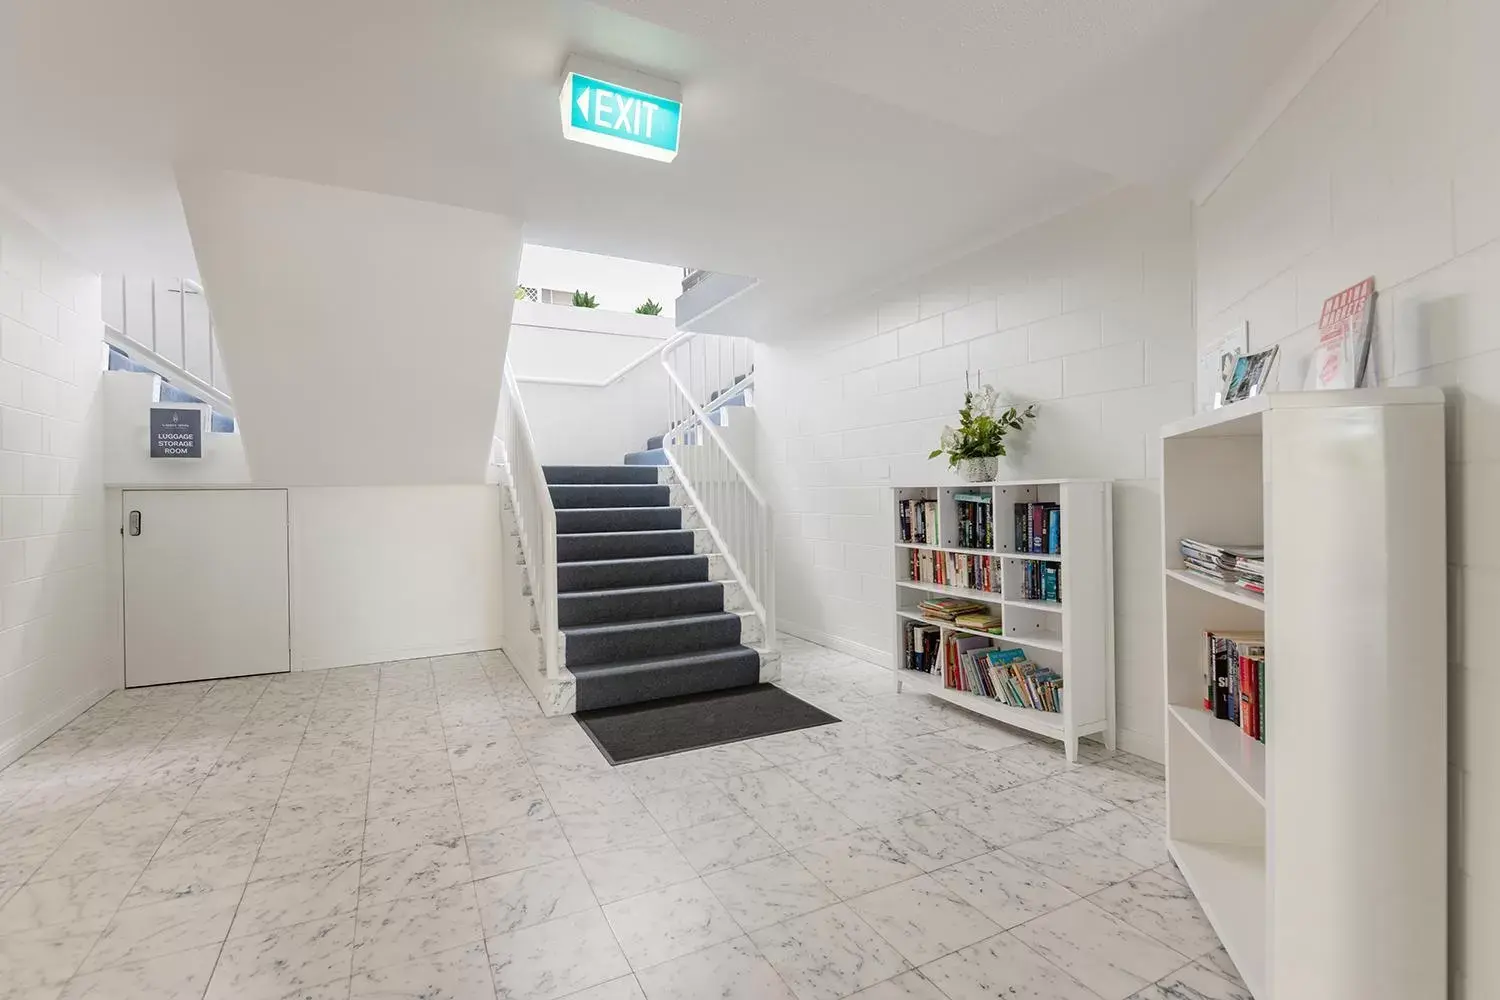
[(918, 522), (976, 666), (1234, 679), (923, 645), (975, 521), (1041, 582), (964, 614), (1241, 566), (1038, 528), (955, 569)]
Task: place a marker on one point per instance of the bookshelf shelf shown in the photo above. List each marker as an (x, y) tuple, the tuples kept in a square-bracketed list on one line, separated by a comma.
[(1243, 757), (1046, 607), (1073, 637), (945, 548), (985, 596), (1228, 591), (1032, 556), (1038, 642), (1340, 818)]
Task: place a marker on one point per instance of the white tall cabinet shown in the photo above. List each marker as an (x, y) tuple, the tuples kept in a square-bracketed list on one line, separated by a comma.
[(1320, 855)]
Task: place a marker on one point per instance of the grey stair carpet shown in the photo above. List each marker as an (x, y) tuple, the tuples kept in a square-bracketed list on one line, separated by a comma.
[(653, 729), (641, 621), (651, 456), (598, 607)]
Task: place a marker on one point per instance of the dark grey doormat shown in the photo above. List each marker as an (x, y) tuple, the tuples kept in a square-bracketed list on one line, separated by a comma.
[(672, 725)]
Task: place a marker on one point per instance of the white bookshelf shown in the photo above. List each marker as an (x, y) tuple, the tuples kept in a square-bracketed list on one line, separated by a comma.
[(1320, 855), (1074, 636)]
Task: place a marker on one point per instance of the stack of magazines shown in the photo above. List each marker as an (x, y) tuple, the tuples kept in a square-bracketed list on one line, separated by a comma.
[(1222, 563), (1250, 573), (947, 609)]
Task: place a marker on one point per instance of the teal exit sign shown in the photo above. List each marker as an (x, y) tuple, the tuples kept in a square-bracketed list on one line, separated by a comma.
[(625, 119)]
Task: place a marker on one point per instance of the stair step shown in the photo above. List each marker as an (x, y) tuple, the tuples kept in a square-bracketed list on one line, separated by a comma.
[(573, 496), (587, 519), (627, 604), (654, 456), (607, 685), (594, 474), (613, 643), (597, 545), (654, 443), (602, 574)]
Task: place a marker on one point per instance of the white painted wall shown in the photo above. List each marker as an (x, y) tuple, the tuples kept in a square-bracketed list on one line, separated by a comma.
[(54, 661), (617, 284), (395, 572), (561, 342), (1388, 163), (1090, 315), (585, 425), (333, 305), (126, 399)]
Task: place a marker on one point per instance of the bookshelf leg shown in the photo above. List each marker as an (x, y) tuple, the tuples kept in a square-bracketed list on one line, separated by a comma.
[(1071, 745), (1110, 739)]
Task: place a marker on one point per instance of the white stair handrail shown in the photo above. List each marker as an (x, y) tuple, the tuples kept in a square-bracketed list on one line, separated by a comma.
[(535, 516), (733, 509), (653, 351)]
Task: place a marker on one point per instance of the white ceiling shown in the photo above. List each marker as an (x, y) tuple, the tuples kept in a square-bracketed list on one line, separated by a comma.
[(827, 146)]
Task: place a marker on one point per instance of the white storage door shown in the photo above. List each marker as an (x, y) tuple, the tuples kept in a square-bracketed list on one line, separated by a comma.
[(205, 584)]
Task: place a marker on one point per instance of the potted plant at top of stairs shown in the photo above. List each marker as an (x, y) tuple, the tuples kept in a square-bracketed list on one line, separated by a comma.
[(650, 307), (976, 446), (585, 300)]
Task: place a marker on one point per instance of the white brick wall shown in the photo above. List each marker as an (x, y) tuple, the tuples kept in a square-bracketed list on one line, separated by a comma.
[(1388, 163), (1090, 314), (53, 662)]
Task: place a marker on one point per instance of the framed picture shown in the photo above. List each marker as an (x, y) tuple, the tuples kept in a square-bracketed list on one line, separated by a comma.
[(1252, 375), (1216, 364)]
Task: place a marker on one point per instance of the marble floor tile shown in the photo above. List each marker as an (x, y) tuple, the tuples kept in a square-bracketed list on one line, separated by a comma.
[(179, 976), (525, 844), (1003, 889), (769, 891), (1108, 956), (319, 894), (282, 962), (531, 896), (619, 824), (143, 932), (932, 841), (317, 844), (403, 930), (1001, 966), (624, 988), (84, 896), (799, 823), (692, 805), (1127, 834), (404, 830), (828, 954), (858, 863), (46, 957), (628, 871), (1164, 909), (542, 962), (923, 919), (998, 821), (415, 871), (726, 843), (907, 986), (733, 970), (1074, 861), (454, 974), (1194, 982), (664, 924), (412, 779)]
